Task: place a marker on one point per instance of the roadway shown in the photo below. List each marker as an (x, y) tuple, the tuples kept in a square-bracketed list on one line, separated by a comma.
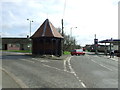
[(89, 71)]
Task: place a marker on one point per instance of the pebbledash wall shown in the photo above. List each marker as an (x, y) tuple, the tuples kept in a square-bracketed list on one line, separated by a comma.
[(15, 43)]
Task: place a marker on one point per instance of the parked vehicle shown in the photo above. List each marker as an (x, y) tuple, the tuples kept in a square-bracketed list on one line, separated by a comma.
[(77, 52)]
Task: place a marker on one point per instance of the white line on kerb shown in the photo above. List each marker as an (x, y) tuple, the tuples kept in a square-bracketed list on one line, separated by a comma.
[(16, 79)]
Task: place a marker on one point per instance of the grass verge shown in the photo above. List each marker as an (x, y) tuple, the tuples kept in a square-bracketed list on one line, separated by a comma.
[(21, 51)]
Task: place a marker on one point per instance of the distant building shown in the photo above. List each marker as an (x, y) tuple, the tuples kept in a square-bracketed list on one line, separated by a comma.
[(100, 48), (14, 43)]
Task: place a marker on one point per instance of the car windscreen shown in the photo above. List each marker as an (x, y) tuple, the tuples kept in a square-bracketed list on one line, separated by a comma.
[(79, 50), (73, 50)]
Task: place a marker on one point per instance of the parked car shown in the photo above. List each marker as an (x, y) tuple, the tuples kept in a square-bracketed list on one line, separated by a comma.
[(77, 52)]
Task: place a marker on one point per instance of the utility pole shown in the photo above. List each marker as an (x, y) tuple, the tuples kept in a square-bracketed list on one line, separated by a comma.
[(110, 47), (62, 29), (63, 39), (96, 44)]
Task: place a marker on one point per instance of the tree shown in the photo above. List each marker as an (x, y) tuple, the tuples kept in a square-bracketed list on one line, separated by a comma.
[(69, 42)]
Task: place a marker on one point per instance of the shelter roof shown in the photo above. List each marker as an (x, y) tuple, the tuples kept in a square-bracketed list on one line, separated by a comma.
[(46, 30)]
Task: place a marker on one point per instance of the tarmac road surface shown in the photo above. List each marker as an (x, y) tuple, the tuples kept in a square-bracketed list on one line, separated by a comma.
[(89, 71)]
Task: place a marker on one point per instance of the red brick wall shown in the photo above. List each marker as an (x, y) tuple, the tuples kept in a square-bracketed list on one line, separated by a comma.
[(13, 47)]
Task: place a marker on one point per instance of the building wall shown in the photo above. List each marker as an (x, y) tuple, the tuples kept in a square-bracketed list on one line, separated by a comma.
[(46, 46), (13, 47), (16, 46), (18, 43)]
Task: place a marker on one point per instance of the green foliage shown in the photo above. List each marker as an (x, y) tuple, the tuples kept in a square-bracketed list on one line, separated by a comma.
[(66, 53)]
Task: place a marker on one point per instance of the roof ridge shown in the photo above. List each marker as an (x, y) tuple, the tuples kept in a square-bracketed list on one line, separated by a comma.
[(51, 28), (44, 30)]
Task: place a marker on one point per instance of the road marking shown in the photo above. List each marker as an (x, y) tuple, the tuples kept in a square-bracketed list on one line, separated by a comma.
[(101, 65), (54, 68), (28, 60), (40, 60), (108, 57), (83, 84), (74, 73), (44, 65), (71, 69), (114, 59), (16, 79), (65, 69)]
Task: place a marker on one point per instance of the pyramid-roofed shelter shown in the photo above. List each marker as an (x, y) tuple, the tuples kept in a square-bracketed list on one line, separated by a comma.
[(46, 40), (46, 30)]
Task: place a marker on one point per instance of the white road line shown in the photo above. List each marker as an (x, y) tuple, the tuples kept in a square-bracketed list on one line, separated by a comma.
[(27, 60), (44, 65), (65, 65), (54, 68), (108, 57), (101, 65), (72, 71), (40, 60), (65, 69), (114, 59)]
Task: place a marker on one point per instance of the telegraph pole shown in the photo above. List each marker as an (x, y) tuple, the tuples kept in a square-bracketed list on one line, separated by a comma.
[(62, 29), (63, 39), (110, 47), (96, 44)]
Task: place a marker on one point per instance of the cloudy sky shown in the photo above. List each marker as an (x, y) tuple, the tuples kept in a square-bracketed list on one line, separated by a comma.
[(91, 17)]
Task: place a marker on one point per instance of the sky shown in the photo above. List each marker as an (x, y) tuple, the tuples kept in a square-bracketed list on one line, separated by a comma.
[(91, 17)]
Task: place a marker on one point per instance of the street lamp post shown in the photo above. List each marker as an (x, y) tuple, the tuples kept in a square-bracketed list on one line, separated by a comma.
[(71, 30), (71, 36), (30, 34), (30, 25)]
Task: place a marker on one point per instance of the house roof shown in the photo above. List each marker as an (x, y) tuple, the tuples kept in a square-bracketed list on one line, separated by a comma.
[(9, 40), (46, 30)]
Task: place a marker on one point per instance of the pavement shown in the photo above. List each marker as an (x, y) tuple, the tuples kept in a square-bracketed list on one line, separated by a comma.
[(52, 57), (115, 58), (8, 81)]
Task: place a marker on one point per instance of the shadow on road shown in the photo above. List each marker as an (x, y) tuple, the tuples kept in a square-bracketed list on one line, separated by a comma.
[(17, 56)]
